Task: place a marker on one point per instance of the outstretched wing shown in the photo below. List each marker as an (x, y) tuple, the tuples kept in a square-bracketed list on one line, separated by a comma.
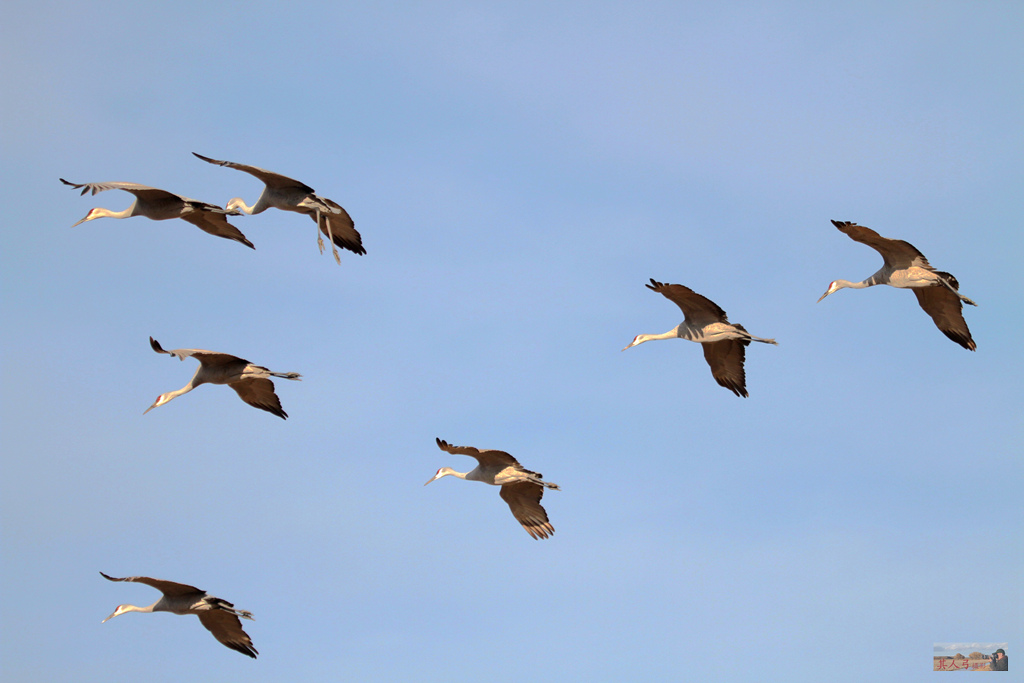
[(212, 220), (203, 356), (259, 393), (227, 628), (523, 499), (726, 360), (170, 588), (697, 309), (101, 187), (269, 177), (896, 253), (146, 193), (485, 457), (946, 311)]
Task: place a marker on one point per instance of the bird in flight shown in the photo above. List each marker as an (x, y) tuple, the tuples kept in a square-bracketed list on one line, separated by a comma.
[(905, 267), (705, 322), (288, 194), (251, 382), (218, 616), (161, 205), (520, 488)]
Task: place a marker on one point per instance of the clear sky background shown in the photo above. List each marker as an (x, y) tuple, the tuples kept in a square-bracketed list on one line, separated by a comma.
[(518, 171)]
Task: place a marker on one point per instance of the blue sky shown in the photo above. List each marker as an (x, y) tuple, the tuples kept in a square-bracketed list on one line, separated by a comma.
[(518, 171)]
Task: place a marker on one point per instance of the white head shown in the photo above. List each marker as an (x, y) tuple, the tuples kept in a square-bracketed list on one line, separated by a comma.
[(121, 609), (638, 339), (443, 472), (93, 214), (160, 400), (832, 287)]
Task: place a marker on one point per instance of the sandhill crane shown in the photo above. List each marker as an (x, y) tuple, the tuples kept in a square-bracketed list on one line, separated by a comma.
[(161, 205), (520, 488), (218, 616), (906, 267), (250, 382), (282, 192), (705, 323)]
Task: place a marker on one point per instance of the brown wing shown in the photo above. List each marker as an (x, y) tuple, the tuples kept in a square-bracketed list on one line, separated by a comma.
[(259, 393), (896, 253), (227, 628), (523, 499), (343, 229), (697, 309), (946, 310), (485, 457), (169, 588), (206, 357), (142, 191), (269, 177), (214, 223), (726, 361)]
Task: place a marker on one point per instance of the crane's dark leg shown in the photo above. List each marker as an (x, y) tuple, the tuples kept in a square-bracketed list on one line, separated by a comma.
[(954, 290)]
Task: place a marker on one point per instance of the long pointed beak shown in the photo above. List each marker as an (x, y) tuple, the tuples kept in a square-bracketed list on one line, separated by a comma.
[(149, 409), (822, 297), (82, 221), (110, 617), (434, 478)]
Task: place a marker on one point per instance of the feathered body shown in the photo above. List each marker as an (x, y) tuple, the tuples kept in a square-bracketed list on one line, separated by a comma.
[(521, 488), (904, 267), (705, 322)]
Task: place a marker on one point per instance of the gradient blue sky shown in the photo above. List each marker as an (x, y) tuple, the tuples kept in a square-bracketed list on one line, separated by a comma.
[(518, 171)]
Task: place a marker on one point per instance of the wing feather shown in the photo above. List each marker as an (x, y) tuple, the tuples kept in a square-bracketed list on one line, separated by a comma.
[(134, 188), (342, 227), (202, 355), (215, 223), (523, 500), (483, 456), (227, 628), (726, 360), (170, 588), (259, 393), (897, 254), (946, 310), (697, 309), (268, 177)]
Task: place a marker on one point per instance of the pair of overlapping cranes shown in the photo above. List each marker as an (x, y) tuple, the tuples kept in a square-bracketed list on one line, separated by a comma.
[(704, 322)]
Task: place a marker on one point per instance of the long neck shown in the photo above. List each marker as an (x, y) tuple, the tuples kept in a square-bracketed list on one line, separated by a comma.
[(178, 392), (239, 203), (134, 608), (107, 213), (671, 334), (870, 282), (100, 212)]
